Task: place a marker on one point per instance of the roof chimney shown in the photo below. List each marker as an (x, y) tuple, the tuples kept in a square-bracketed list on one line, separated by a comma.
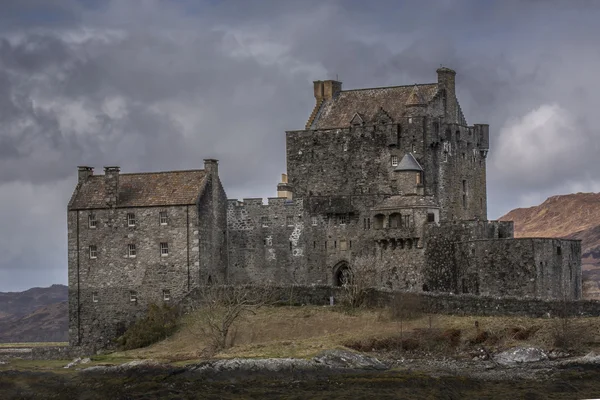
[(111, 185), (211, 166), (446, 80), (83, 173)]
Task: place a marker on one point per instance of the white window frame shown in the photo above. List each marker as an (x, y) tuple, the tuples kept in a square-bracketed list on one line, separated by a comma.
[(164, 249), (92, 221), (264, 221), (166, 295), (131, 219), (133, 296), (163, 218), (314, 221), (289, 220), (131, 250), (394, 161), (93, 249), (94, 297)]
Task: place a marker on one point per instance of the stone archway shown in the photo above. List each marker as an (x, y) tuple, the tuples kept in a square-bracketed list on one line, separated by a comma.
[(341, 274)]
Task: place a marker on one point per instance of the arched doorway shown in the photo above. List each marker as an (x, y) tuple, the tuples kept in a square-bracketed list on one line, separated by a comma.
[(342, 274)]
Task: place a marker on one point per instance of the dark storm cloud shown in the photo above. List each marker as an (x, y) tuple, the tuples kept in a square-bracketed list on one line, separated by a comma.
[(156, 85)]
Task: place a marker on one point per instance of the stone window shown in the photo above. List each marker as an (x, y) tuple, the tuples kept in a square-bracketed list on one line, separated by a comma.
[(558, 251), (314, 221), (164, 249), (130, 219), (133, 296), (93, 251), (457, 136), (289, 220), (264, 221), (345, 146), (162, 217), (379, 218), (410, 120), (131, 253), (419, 178), (406, 221), (394, 161), (343, 245), (166, 294), (430, 217), (395, 220), (343, 218), (95, 297), (92, 222), (445, 157), (413, 148)]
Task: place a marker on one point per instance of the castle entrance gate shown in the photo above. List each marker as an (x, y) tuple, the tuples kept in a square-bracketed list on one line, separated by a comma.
[(341, 274)]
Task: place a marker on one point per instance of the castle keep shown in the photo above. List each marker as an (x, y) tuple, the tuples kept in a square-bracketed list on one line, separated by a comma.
[(394, 176)]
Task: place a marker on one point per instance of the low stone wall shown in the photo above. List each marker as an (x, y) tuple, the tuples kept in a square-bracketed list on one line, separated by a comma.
[(42, 353), (442, 303)]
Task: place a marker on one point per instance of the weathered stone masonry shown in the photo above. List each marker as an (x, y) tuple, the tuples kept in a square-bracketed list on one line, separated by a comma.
[(394, 176)]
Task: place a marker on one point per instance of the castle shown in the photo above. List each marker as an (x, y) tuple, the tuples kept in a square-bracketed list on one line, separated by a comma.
[(394, 175)]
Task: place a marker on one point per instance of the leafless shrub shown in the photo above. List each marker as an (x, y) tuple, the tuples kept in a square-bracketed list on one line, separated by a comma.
[(360, 276), (221, 307)]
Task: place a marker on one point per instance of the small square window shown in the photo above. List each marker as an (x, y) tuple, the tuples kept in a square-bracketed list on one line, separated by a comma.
[(164, 249), (343, 219), (314, 221), (166, 295), (92, 223), (95, 297), (264, 221), (289, 220), (162, 217), (430, 217), (130, 219), (394, 161), (133, 296), (131, 251), (93, 251)]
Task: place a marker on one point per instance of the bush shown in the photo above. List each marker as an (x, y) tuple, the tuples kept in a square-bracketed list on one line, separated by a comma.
[(160, 322)]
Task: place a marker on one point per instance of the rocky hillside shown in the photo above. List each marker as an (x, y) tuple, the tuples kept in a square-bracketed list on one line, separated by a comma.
[(572, 216), (35, 315)]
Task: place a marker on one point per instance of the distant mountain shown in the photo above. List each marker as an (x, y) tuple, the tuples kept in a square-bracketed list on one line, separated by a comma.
[(34, 315), (572, 216)]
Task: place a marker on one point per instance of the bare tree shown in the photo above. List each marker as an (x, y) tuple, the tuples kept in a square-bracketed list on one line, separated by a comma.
[(221, 307), (360, 276)]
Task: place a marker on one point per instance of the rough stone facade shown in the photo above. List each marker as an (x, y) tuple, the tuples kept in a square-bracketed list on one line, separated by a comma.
[(137, 239), (393, 176)]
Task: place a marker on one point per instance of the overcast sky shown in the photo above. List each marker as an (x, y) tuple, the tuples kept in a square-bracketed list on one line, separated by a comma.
[(159, 85)]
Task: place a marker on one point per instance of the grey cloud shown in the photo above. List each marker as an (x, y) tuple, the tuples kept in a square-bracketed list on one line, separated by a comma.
[(160, 85)]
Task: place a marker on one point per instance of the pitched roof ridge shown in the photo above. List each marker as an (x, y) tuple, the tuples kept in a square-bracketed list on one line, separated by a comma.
[(160, 172), (390, 87)]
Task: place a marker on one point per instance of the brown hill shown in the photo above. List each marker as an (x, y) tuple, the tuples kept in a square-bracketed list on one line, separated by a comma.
[(45, 324), (34, 315)]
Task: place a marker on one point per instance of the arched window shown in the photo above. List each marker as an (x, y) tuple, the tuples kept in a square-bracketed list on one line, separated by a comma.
[(378, 221)]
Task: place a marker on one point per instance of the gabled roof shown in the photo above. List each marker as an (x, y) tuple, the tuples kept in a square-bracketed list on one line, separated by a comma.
[(408, 163), (339, 111), (142, 190)]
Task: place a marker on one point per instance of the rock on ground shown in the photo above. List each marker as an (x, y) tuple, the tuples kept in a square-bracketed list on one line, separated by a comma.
[(518, 355)]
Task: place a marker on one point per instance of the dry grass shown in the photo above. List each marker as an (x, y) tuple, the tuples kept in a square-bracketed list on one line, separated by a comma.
[(305, 331)]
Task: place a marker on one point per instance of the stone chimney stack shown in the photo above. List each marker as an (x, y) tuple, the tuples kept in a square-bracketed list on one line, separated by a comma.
[(285, 189), (325, 90), (446, 80), (111, 185), (211, 166), (83, 173)]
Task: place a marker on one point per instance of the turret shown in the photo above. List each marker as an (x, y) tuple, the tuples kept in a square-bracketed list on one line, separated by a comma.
[(410, 175)]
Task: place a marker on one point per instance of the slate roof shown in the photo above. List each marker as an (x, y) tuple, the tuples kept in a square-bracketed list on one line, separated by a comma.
[(338, 112), (408, 163), (142, 190), (406, 201)]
